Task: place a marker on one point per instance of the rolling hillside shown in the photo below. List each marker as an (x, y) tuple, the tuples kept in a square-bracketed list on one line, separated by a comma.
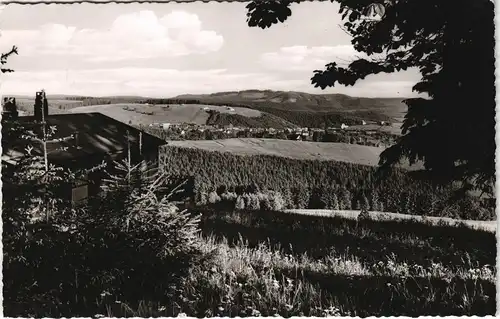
[(299, 101), (173, 113), (340, 152), (358, 154), (281, 109), (310, 110)]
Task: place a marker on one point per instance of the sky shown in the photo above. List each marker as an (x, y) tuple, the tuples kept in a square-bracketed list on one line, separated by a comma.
[(163, 50)]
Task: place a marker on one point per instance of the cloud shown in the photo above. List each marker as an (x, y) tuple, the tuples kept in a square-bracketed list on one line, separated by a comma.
[(140, 35), (304, 58)]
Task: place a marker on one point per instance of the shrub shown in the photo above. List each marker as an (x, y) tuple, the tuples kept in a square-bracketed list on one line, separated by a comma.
[(119, 246)]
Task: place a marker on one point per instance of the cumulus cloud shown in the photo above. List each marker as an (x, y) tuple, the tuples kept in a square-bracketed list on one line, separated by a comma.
[(304, 58), (139, 35)]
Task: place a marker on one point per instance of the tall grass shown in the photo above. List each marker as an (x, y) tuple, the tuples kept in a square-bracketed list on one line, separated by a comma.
[(267, 264), (266, 281)]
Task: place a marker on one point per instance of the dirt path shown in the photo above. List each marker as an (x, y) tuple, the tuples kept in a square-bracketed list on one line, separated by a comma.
[(352, 214)]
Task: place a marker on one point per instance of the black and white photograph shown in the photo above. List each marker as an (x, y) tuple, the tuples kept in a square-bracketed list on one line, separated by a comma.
[(265, 158)]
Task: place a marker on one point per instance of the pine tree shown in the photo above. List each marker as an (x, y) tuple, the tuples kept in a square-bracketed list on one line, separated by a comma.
[(345, 201), (375, 202), (365, 204), (287, 197), (276, 201), (335, 202)]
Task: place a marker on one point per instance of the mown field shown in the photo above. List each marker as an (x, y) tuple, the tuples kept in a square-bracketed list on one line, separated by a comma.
[(342, 152), (56, 106), (142, 114), (490, 226), (359, 154)]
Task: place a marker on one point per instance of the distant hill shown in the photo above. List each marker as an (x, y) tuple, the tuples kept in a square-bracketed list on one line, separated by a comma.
[(300, 101), (278, 108), (305, 109)]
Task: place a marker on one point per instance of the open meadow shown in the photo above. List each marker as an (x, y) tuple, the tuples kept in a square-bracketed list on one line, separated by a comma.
[(490, 226), (300, 150), (56, 106), (142, 114), (359, 154)]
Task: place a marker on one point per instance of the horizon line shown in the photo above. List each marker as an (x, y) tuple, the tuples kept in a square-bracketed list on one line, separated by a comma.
[(205, 94)]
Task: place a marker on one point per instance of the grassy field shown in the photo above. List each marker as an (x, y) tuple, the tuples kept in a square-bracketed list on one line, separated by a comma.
[(174, 113), (56, 106), (275, 264), (352, 153), (356, 268), (490, 226)]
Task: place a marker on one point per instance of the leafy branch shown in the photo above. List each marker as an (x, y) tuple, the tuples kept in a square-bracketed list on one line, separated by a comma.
[(5, 56)]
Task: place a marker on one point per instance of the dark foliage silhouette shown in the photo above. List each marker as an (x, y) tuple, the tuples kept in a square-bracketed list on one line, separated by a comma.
[(452, 45)]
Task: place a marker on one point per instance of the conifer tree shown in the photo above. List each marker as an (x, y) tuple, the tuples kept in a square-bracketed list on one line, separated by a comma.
[(375, 202), (335, 202)]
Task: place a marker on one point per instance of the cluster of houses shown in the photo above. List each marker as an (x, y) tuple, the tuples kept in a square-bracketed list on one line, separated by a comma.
[(228, 108), (230, 128), (196, 131)]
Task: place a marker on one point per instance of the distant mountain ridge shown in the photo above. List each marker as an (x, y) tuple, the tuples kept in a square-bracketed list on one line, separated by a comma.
[(300, 101), (277, 107)]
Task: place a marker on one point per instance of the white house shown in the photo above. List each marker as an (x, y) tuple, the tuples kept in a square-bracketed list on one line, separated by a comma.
[(343, 126)]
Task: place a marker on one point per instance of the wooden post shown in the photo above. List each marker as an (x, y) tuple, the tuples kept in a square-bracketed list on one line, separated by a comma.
[(140, 142), (129, 156)]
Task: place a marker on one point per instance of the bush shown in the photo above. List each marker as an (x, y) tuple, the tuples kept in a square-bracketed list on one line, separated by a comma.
[(130, 244)]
